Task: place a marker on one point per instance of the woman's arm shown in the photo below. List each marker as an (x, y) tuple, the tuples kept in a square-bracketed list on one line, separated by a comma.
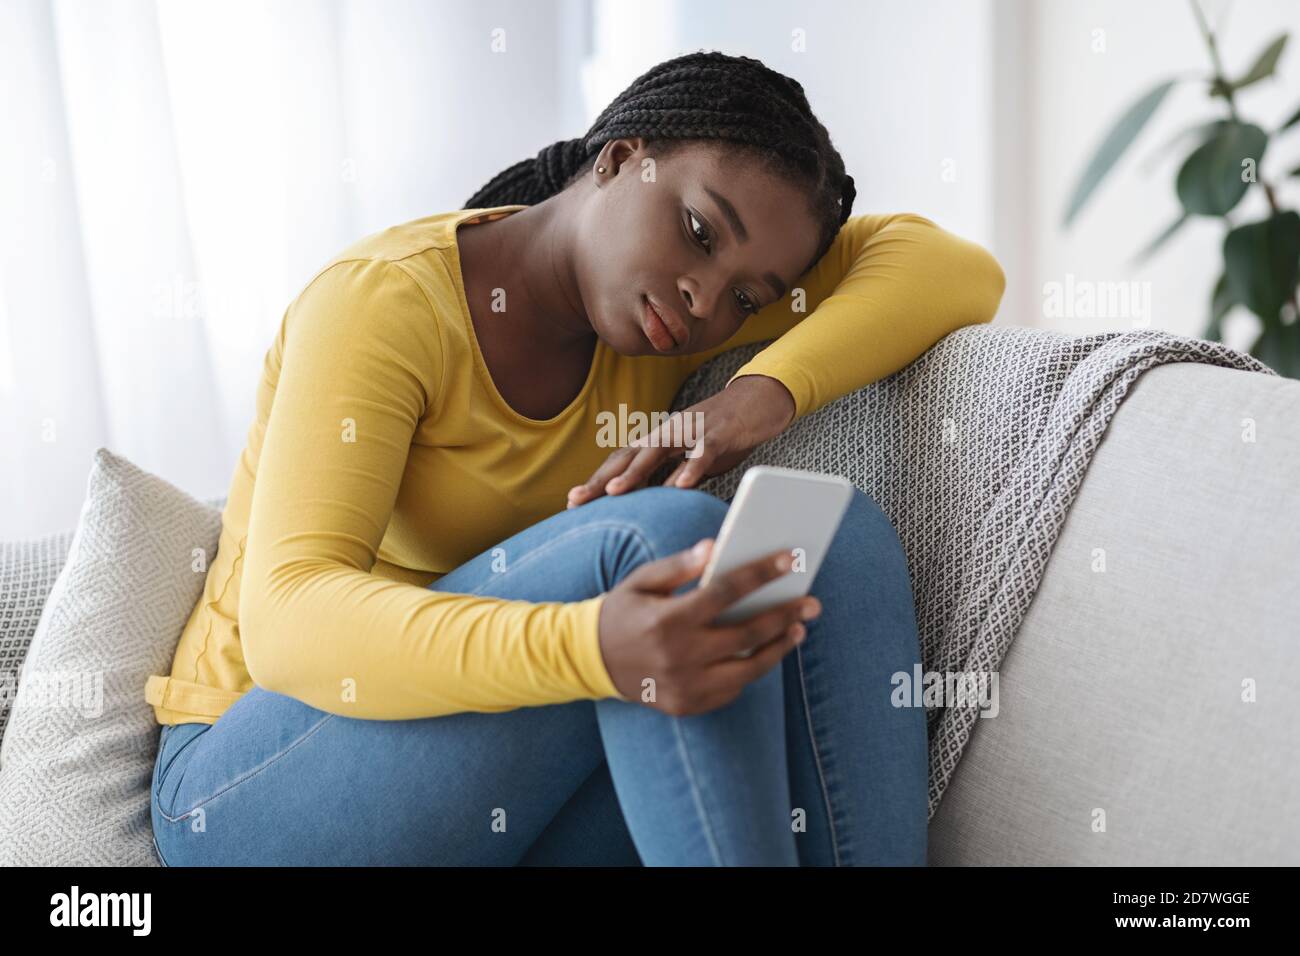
[(888, 289), (361, 366)]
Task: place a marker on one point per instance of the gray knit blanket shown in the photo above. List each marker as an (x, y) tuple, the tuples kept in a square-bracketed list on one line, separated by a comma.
[(975, 452)]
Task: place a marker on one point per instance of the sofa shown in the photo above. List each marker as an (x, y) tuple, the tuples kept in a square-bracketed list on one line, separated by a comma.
[(1145, 717), (1167, 696)]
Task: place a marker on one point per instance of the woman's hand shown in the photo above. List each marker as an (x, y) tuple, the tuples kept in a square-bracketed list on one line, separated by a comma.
[(724, 429), (649, 633)]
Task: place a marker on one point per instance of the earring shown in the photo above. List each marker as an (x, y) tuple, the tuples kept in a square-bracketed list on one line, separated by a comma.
[(600, 169)]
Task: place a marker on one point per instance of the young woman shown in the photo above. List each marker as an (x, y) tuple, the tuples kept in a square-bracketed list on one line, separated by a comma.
[(410, 651)]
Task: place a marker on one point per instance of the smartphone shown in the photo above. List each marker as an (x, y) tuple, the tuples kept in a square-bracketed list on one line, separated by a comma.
[(774, 509)]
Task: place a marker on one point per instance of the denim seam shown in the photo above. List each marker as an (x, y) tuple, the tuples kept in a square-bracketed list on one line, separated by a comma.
[(158, 850), (536, 553), (696, 796), (248, 775), (157, 761), (817, 760), (641, 542), (161, 770), (635, 533)]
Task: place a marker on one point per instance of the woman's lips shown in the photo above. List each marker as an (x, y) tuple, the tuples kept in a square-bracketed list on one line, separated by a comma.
[(655, 329)]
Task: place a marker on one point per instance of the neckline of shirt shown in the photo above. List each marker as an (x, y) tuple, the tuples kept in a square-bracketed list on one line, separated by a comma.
[(489, 213)]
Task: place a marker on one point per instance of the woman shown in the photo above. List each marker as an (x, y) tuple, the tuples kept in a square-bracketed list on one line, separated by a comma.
[(408, 653)]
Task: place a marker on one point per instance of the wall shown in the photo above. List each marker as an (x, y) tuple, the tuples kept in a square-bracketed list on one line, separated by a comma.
[(1076, 94)]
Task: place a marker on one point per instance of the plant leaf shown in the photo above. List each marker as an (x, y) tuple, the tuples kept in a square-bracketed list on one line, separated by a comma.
[(1223, 299), (1160, 240), (1278, 347), (1198, 134), (1220, 304), (1210, 181), (1262, 261), (1295, 118), (1113, 146), (1265, 64)]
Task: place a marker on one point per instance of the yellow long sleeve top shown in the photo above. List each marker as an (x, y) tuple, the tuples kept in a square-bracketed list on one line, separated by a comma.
[(382, 457)]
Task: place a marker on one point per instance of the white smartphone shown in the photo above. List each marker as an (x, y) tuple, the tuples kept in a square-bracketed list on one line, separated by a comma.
[(773, 509)]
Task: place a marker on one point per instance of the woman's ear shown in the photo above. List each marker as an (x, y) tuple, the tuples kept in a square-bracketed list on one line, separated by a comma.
[(618, 151)]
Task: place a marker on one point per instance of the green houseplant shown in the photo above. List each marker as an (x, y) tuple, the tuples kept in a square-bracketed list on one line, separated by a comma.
[(1261, 259)]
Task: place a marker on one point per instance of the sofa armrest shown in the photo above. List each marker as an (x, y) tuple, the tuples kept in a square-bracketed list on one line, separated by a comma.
[(1126, 733)]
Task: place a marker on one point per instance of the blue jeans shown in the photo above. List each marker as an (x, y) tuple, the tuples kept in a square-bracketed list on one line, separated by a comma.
[(811, 765)]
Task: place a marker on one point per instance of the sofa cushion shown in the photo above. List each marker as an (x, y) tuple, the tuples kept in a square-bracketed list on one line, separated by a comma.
[(78, 752), (28, 570), (1126, 733)]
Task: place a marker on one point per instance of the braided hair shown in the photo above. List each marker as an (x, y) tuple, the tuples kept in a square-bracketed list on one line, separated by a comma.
[(700, 96)]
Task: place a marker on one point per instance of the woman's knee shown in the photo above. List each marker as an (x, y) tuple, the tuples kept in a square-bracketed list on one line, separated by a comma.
[(666, 519), (867, 544), (865, 521)]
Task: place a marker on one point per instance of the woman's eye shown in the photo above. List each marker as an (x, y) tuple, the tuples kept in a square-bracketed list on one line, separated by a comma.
[(747, 305), (702, 240)]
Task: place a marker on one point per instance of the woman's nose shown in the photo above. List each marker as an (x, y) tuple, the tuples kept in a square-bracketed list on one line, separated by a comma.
[(699, 305)]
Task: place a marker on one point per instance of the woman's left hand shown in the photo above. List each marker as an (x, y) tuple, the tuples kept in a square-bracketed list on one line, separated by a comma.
[(727, 426)]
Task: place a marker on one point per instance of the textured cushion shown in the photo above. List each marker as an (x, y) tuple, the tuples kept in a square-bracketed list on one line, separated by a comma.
[(28, 570), (1123, 691), (78, 752), (27, 573)]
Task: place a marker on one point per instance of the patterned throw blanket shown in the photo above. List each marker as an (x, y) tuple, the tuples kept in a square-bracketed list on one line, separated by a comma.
[(975, 451)]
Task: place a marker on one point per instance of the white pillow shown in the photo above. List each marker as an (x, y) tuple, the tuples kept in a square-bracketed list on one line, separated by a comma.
[(77, 758)]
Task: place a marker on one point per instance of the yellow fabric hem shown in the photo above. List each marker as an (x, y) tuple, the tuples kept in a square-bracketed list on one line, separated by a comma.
[(587, 647), (181, 702)]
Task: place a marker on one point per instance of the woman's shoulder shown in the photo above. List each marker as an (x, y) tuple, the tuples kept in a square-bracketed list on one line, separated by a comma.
[(398, 285), (408, 239), (401, 241), (391, 264), (369, 313)]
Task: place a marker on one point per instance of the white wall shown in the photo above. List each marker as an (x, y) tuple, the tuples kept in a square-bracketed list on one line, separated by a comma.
[(904, 89), (1077, 94)]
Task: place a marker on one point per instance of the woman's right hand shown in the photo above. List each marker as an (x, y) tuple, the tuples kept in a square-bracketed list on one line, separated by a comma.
[(646, 631)]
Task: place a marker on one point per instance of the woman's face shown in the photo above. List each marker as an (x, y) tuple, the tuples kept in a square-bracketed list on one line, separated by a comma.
[(710, 238)]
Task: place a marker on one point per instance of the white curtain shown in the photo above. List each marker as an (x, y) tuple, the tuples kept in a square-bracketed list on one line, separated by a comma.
[(172, 173)]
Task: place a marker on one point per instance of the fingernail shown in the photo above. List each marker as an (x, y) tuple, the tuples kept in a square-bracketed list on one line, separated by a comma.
[(809, 611), (701, 546), (800, 632)]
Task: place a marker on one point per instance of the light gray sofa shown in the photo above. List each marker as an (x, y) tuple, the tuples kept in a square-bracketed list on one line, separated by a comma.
[(1123, 737), (1123, 691)]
